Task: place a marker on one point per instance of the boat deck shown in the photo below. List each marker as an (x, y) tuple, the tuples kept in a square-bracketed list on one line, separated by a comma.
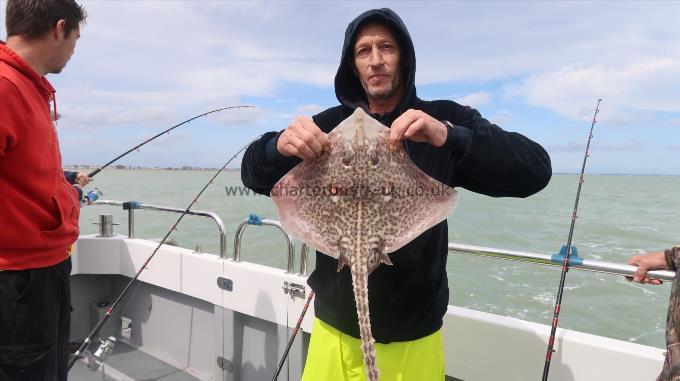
[(128, 363), (200, 316)]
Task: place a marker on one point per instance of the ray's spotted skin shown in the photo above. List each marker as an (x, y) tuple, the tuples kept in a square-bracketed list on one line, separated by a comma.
[(359, 202)]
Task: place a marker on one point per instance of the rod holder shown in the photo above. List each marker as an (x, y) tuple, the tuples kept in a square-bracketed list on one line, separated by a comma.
[(105, 225)]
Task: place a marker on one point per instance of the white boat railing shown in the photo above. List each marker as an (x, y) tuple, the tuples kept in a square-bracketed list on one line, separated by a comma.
[(130, 206), (575, 261), (257, 221)]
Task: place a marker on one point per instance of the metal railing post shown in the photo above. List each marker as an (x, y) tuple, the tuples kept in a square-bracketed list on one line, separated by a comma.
[(255, 220), (304, 253), (131, 205), (131, 223), (553, 260)]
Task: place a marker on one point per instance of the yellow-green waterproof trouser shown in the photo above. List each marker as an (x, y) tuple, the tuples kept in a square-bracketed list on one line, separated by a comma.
[(334, 356)]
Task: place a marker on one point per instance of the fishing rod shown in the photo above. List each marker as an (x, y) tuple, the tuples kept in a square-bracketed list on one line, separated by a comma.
[(565, 262), (290, 341), (91, 174), (106, 317)]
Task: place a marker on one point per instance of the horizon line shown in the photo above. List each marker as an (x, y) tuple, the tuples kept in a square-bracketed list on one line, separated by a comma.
[(192, 167)]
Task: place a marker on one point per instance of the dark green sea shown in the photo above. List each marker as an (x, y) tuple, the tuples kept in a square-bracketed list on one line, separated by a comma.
[(619, 215)]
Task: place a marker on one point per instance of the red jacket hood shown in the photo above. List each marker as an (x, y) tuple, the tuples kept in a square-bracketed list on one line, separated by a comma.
[(11, 58)]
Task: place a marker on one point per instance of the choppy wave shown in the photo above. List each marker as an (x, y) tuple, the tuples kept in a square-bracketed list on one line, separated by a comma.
[(619, 216)]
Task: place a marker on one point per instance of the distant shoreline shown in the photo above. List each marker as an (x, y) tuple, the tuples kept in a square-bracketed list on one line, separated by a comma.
[(86, 168), (614, 174)]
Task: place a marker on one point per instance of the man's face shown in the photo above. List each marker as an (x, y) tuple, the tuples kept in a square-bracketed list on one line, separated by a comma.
[(376, 61), (64, 48)]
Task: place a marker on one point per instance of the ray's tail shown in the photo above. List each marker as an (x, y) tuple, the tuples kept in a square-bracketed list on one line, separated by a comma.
[(360, 285)]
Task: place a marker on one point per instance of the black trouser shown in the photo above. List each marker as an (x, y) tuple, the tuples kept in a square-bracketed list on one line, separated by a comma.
[(35, 315)]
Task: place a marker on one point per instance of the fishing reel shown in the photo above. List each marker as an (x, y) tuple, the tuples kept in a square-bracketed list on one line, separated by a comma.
[(96, 360), (91, 197)]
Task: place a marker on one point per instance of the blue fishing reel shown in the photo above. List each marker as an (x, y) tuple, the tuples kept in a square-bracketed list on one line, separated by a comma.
[(91, 196)]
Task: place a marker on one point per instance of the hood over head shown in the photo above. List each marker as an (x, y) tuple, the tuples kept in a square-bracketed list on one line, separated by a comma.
[(348, 88)]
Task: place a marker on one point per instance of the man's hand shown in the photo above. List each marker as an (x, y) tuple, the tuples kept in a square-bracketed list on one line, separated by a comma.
[(418, 126), (83, 179), (303, 138), (645, 262)]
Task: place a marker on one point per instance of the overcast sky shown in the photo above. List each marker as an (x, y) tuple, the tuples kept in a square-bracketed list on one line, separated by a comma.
[(533, 67)]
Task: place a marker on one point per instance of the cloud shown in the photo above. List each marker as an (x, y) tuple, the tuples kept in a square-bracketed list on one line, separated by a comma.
[(94, 118), (612, 146), (309, 109), (159, 67), (242, 116), (160, 62), (475, 100), (672, 123), (562, 58), (168, 141), (627, 90), (501, 118)]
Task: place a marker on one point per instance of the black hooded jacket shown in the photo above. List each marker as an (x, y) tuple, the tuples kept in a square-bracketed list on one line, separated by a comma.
[(407, 301)]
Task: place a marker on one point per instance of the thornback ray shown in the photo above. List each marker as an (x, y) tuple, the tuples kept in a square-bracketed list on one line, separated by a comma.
[(358, 202)]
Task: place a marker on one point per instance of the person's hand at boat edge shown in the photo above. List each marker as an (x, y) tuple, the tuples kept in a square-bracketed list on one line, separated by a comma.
[(303, 138), (655, 260)]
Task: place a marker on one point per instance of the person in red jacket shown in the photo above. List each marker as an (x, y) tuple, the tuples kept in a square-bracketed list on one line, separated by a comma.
[(39, 208)]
